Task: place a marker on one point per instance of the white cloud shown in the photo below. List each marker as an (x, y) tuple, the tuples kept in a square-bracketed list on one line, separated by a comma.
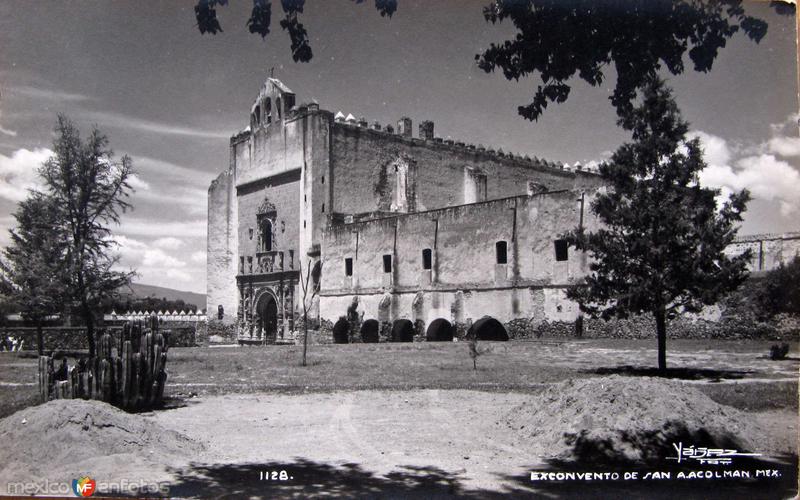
[(167, 170), (168, 243), (179, 275), (137, 183), (146, 227), (156, 257), (764, 175), (109, 119), (3, 130), (198, 257), (192, 200), (47, 94), (715, 149), (784, 146), (791, 121), (18, 173), (155, 265)]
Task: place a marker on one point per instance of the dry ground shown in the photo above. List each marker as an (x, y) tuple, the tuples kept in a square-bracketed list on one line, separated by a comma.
[(416, 420)]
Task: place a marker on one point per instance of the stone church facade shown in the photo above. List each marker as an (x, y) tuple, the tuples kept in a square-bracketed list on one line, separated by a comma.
[(412, 232), (414, 228)]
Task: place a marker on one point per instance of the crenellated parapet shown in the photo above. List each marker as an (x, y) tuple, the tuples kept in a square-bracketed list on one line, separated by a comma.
[(191, 316), (403, 133)]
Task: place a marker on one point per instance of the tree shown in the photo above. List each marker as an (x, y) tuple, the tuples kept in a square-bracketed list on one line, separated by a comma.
[(312, 280), (261, 18), (36, 261), (89, 190), (660, 246), (473, 350), (561, 38), (779, 291)]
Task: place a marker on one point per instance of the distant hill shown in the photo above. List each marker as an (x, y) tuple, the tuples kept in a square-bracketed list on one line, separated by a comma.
[(142, 291)]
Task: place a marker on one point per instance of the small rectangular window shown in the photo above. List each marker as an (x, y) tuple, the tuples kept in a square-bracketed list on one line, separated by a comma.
[(323, 179), (304, 223), (323, 208), (387, 263), (501, 250), (348, 266), (426, 258), (561, 250)]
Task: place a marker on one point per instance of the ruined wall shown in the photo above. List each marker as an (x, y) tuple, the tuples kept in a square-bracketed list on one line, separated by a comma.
[(379, 171), (221, 247), (768, 250), (465, 280)]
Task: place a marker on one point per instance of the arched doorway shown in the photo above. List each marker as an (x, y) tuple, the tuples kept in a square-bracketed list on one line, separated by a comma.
[(267, 311), (403, 331), (488, 328), (369, 331), (440, 330), (341, 331)]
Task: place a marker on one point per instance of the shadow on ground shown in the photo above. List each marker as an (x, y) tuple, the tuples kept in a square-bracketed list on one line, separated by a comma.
[(674, 373), (308, 478), (698, 480)]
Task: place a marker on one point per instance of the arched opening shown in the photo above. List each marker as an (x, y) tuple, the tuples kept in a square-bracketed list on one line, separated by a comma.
[(369, 331), (267, 316), (440, 330), (268, 110), (266, 235), (278, 107), (488, 328), (341, 331), (403, 331)]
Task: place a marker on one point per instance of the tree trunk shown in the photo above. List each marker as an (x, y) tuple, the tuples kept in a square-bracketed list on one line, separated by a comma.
[(305, 333), (39, 338), (661, 332), (89, 320)]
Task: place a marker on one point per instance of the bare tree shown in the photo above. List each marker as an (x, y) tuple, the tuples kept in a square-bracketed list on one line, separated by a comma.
[(310, 279)]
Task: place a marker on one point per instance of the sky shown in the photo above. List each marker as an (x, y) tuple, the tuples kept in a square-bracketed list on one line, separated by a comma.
[(170, 98)]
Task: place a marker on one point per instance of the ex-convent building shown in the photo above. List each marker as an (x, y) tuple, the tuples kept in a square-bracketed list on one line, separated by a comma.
[(419, 231)]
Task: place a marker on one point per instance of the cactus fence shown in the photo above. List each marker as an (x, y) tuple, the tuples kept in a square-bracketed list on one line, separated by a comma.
[(130, 375)]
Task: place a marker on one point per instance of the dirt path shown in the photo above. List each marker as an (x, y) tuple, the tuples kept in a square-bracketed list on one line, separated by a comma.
[(457, 434), (456, 431)]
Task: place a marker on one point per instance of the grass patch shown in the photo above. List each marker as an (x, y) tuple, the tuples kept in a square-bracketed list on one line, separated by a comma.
[(504, 366)]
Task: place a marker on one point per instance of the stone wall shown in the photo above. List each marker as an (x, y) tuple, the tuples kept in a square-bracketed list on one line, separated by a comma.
[(768, 250), (643, 327), (178, 334), (380, 171), (465, 281), (221, 247)]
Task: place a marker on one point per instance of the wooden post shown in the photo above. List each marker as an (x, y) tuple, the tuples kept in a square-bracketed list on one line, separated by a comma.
[(75, 381), (50, 377), (43, 382)]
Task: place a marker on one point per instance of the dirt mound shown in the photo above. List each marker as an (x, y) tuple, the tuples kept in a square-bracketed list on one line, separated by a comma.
[(623, 419), (65, 433)]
